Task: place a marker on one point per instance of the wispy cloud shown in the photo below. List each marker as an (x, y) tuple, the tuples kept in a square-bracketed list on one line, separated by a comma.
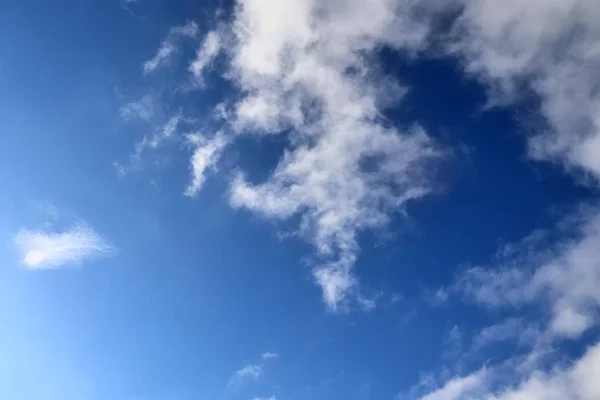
[(556, 274), (564, 275), (249, 372), (509, 329), (151, 142), (206, 154), (44, 249), (207, 52), (142, 109), (169, 46), (270, 356), (130, 5), (577, 381)]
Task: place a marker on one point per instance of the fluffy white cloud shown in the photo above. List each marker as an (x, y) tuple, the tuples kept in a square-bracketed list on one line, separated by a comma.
[(168, 47), (564, 276), (43, 249), (459, 388), (559, 272), (249, 372), (577, 382), (551, 47), (309, 69)]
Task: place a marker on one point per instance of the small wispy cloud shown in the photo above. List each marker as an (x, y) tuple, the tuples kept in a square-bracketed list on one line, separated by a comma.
[(206, 154), (270, 356), (265, 398), (168, 47), (142, 109), (150, 142), (44, 249), (208, 50), (130, 5), (249, 372)]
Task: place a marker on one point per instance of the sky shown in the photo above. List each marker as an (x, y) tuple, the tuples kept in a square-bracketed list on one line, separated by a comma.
[(300, 200)]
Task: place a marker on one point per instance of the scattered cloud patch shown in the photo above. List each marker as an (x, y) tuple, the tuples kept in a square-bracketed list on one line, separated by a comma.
[(247, 373), (576, 381), (207, 52), (460, 388), (251, 372), (556, 277), (564, 277), (169, 46), (45, 249), (142, 109), (206, 154), (270, 356), (131, 7), (511, 328)]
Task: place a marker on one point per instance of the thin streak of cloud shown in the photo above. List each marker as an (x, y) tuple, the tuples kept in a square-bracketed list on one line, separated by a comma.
[(169, 46), (270, 356), (248, 373)]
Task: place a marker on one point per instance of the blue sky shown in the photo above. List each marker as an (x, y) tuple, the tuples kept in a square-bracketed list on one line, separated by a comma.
[(291, 199)]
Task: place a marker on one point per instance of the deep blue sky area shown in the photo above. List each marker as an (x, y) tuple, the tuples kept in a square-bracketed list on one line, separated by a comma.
[(145, 293)]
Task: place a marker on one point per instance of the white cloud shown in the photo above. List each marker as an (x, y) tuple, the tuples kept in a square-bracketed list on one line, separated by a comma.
[(265, 398), (129, 5), (249, 372), (142, 109), (168, 47), (309, 69), (306, 68), (150, 142), (460, 388), (43, 249), (558, 272), (167, 131), (565, 277), (206, 153), (551, 47), (577, 381), (511, 328), (270, 356), (209, 49)]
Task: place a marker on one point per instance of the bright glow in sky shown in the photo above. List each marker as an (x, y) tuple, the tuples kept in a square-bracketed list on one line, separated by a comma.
[(299, 199)]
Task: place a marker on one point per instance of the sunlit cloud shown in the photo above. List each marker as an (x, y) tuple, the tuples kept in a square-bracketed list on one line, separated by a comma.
[(48, 249)]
